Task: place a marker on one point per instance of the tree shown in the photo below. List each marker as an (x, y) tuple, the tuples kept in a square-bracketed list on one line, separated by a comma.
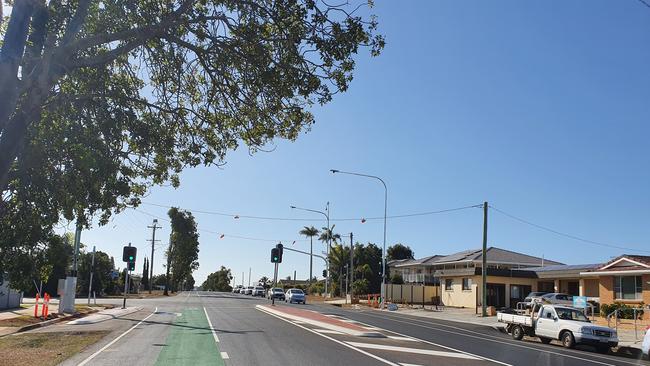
[(310, 232), (370, 255), (102, 100), (183, 252), (339, 258), (218, 281), (102, 281), (265, 281), (399, 251), (360, 286), (396, 279), (145, 274)]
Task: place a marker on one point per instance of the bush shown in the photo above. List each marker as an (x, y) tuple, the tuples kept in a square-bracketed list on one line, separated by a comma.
[(397, 279), (316, 288), (625, 311), (360, 287)]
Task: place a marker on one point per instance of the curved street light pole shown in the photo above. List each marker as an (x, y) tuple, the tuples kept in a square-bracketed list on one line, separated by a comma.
[(383, 256), (329, 238)]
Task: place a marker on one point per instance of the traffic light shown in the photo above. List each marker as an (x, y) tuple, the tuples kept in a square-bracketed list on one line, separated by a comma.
[(129, 253), (275, 255), (324, 273), (280, 249), (131, 266)]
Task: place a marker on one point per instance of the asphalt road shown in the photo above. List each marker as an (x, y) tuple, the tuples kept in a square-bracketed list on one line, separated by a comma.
[(208, 328)]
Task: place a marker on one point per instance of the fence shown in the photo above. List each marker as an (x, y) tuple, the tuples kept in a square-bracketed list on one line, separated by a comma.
[(413, 294), (9, 298)]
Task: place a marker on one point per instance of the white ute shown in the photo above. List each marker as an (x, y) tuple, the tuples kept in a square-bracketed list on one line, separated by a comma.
[(566, 324)]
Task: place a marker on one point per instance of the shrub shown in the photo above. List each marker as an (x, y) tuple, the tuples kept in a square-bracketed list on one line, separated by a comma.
[(625, 311), (360, 287), (397, 279)]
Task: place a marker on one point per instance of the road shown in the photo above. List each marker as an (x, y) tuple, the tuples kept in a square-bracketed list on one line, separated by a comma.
[(208, 328)]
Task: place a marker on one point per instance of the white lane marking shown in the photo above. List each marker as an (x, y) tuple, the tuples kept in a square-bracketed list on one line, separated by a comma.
[(485, 337), (327, 331), (116, 339), (398, 338), (224, 355), (440, 345), (408, 364), (332, 339), (214, 332), (418, 351), (299, 322)]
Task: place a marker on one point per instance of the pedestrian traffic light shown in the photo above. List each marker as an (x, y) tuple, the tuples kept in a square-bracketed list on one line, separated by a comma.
[(129, 253), (275, 255), (280, 249), (324, 273), (131, 266)]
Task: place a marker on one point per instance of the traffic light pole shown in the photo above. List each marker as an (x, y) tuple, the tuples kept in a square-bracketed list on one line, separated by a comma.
[(275, 283), (126, 286)]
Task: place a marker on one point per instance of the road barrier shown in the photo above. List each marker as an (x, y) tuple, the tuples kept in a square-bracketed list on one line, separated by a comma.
[(36, 307)]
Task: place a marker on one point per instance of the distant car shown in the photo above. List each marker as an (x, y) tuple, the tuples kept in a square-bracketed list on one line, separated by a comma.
[(534, 297), (557, 299), (276, 293), (295, 295), (236, 289), (258, 291), (248, 290), (646, 343)]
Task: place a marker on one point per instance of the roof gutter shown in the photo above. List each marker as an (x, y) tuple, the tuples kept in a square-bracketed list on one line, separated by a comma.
[(615, 273)]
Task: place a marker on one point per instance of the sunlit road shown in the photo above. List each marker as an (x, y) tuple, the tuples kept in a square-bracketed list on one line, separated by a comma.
[(209, 328)]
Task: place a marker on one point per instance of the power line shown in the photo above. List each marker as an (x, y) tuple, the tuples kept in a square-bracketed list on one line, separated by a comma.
[(644, 3), (237, 216), (570, 236), (223, 235)]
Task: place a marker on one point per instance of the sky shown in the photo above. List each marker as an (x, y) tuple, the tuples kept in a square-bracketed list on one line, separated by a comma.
[(540, 108)]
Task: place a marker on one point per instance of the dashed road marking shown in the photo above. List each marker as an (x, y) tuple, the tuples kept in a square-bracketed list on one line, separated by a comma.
[(327, 331), (418, 351), (398, 338), (224, 355)]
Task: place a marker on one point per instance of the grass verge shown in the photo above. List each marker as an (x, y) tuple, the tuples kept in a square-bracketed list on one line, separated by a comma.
[(45, 348)]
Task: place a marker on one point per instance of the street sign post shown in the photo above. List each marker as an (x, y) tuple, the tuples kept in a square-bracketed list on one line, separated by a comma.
[(129, 254)]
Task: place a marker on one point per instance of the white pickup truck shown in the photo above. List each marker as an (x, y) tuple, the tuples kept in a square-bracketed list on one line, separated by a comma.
[(564, 323)]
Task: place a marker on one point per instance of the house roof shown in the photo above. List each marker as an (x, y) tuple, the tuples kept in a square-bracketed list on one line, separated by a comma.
[(415, 262), (565, 267), (496, 255), (624, 263)]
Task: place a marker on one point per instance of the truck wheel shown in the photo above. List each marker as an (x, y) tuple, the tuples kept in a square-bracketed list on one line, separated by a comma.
[(567, 340), (545, 340), (517, 333)]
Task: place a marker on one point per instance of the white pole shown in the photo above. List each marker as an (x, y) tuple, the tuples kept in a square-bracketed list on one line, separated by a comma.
[(92, 271)]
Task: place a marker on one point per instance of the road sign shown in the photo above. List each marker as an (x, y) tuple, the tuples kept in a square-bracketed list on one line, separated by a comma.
[(580, 302), (115, 275)]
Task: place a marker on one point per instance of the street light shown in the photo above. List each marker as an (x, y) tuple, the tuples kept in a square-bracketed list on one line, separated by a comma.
[(383, 257), (329, 239)]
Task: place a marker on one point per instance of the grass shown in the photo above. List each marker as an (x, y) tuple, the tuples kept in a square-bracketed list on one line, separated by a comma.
[(19, 321), (45, 348)]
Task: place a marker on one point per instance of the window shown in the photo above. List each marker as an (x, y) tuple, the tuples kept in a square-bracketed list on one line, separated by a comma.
[(628, 287), (467, 284), (547, 313), (449, 284)]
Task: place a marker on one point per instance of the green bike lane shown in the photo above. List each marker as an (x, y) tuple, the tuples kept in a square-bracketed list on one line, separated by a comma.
[(191, 341)]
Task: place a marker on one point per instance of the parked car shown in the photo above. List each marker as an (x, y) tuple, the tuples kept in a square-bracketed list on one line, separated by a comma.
[(276, 293), (646, 343), (557, 298), (568, 325), (248, 290), (236, 289), (258, 291), (533, 297), (295, 295)]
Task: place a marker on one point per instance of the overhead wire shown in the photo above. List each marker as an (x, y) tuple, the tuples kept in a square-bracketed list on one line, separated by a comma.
[(570, 236)]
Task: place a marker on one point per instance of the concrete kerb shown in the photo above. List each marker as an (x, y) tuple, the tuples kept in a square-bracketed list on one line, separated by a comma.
[(52, 321), (104, 315), (320, 324)]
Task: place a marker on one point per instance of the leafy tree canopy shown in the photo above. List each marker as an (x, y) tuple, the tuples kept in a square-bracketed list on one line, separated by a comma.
[(399, 251), (218, 281)]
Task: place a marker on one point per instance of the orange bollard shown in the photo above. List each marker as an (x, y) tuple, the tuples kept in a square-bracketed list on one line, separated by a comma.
[(36, 307), (44, 310)]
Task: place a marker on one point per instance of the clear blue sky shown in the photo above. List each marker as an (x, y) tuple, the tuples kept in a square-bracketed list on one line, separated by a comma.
[(539, 107)]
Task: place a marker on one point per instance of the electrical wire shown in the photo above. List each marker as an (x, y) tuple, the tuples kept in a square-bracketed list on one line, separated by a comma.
[(237, 216), (644, 3), (570, 236)]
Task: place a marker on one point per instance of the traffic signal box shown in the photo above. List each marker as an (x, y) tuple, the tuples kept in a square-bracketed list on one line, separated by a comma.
[(129, 255)]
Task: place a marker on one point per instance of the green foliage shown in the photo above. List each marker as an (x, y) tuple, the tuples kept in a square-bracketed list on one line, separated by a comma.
[(218, 281), (360, 286), (103, 100), (145, 274), (396, 279), (625, 311), (316, 288), (184, 255), (399, 251)]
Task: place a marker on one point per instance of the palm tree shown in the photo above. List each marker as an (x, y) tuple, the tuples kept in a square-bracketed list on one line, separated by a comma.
[(339, 257), (310, 232)]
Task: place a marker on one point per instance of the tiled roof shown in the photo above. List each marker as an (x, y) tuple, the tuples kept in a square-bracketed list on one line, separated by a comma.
[(496, 255)]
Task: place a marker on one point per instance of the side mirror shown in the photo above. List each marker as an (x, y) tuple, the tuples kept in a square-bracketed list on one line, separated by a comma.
[(555, 318)]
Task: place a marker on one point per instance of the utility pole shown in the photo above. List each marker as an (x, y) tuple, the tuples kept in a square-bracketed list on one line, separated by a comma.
[(484, 264), (351, 269), (92, 271), (153, 241), (249, 276), (126, 284), (242, 279)]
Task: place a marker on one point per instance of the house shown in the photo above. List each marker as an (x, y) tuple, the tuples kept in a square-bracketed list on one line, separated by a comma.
[(414, 270), (624, 279)]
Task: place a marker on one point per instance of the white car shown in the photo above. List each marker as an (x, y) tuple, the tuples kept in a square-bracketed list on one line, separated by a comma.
[(248, 290), (295, 295), (557, 299), (646, 343), (258, 291)]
